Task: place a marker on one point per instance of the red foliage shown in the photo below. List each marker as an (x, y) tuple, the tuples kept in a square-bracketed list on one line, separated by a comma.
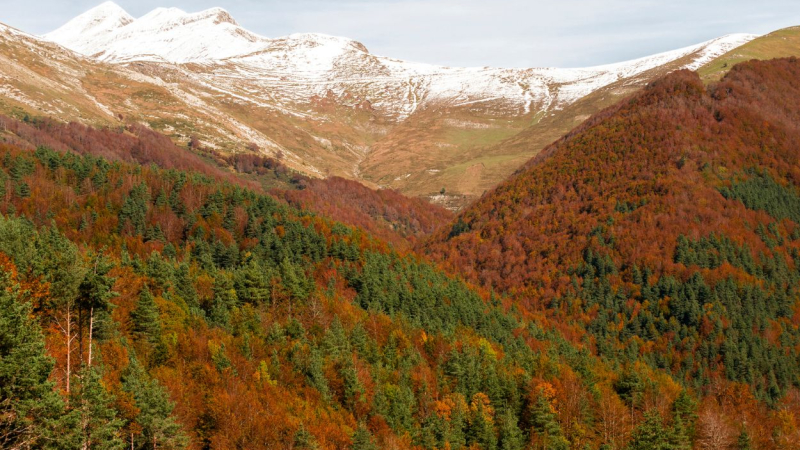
[(666, 150)]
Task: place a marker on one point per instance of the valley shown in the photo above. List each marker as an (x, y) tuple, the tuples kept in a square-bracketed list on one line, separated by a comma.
[(212, 239), (324, 104)]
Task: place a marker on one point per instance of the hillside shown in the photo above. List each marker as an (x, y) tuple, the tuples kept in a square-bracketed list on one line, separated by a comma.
[(665, 228), (177, 308), (385, 214), (778, 44), (325, 104), (153, 308)]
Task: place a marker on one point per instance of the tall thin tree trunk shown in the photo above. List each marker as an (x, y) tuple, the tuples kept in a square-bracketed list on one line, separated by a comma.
[(80, 333), (69, 346), (91, 327)]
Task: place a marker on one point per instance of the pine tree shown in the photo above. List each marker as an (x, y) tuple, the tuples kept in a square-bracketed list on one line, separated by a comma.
[(29, 406), (335, 342), (458, 423), (294, 280), (134, 209), (252, 284), (546, 426), (184, 286), (650, 434), (481, 423), (744, 442), (98, 425), (95, 294), (225, 300), (363, 440), (304, 440), (145, 318), (511, 437), (684, 412), (159, 430)]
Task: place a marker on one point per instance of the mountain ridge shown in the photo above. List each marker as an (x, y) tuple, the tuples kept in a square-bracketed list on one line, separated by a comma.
[(323, 103), (336, 63)]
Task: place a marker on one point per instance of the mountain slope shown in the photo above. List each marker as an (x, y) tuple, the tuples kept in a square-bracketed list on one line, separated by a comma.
[(168, 310), (667, 227), (324, 103), (299, 66), (164, 308), (778, 44), (387, 215)]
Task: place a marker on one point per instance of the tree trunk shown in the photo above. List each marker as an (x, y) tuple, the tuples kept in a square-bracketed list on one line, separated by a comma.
[(91, 327), (80, 333), (69, 346)]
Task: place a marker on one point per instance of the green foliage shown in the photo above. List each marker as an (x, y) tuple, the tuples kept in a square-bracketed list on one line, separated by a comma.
[(363, 440), (743, 442), (159, 429), (761, 192), (545, 426), (511, 437), (712, 251), (95, 294), (681, 310), (145, 318), (30, 409), (92, 406), (134, 209), (459, 227), (304, 440), (650, 434)]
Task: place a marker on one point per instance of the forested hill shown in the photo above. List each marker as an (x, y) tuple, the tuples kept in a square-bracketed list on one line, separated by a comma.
[(384, 213), (666, 229), (147, 308), (156, 308)]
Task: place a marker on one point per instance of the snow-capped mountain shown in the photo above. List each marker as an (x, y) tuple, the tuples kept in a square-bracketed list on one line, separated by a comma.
[(294, 68), (325, 103)]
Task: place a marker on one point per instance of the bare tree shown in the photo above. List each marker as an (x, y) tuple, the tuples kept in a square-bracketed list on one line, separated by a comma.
[(714, 432)]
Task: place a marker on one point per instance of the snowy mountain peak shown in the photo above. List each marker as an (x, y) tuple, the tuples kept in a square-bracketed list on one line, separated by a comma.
[(80, 33), (293, 69), (215, 16), (108, 33), (172, 35)]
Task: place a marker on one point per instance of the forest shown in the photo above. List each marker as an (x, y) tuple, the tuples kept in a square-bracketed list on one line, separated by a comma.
[(634, 287)]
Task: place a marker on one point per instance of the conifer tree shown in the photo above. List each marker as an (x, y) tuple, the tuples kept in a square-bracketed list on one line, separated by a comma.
[(650, 434), (303, 440), (481, 423), (225, 299), (159, 429), (684, 417), (95, 294), (145, 318), (544, 422), (511, 437), (363, 440), (30, 409), (252, 284), (134, 209), (98, 425), (184, 286), (743, 442)]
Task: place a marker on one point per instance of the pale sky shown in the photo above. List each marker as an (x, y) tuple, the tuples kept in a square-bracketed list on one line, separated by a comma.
[(501, 33)]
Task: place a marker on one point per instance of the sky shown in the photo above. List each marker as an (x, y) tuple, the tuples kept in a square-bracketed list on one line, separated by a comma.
[(499, 33)]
